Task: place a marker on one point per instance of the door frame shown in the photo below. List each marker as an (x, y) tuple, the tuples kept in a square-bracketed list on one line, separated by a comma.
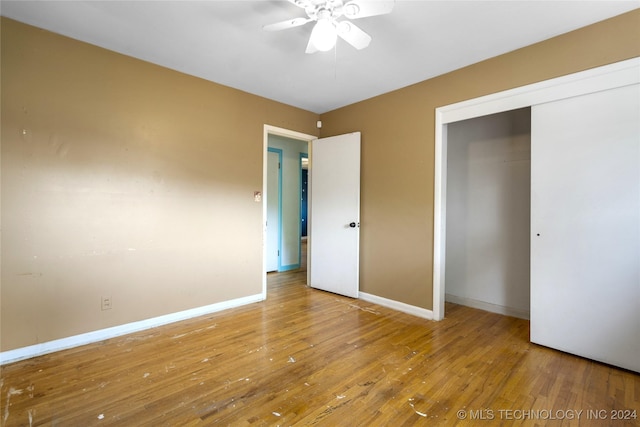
[(274, 130), (596, 79), (303, 156)]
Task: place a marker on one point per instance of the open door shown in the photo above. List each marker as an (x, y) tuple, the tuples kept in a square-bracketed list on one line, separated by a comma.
[(334, 214)]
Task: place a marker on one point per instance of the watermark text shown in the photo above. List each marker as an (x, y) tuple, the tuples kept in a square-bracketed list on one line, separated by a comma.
[(547, 414)]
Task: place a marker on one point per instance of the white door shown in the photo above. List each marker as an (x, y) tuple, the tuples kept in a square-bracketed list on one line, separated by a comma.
[(273, 210), (334, 214), (585, 224)]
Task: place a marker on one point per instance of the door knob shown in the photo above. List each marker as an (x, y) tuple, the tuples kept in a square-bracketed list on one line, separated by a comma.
[(352, 225)]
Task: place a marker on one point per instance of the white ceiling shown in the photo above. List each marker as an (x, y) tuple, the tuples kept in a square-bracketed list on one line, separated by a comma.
[(223, 41)]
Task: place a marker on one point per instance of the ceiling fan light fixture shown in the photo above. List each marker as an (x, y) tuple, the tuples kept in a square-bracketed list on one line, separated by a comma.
[(324, 35)]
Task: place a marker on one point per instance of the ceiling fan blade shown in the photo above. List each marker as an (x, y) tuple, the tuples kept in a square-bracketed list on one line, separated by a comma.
[(302, 3), (353, 35), (289, 23), (362, 8)]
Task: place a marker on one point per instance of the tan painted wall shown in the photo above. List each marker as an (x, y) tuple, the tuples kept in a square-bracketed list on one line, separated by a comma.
[(123, 179), (398, 148)]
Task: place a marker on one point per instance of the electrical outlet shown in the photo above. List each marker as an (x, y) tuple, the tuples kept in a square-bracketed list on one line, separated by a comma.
[(106, 303)]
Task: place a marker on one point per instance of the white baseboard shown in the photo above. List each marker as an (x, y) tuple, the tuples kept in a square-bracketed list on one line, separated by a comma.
[(18, 354), (487, 306), (397, 305)]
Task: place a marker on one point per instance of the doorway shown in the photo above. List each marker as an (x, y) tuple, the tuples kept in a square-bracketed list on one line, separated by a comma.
[(283, 196), (304, 194), (293, 147), (488, 213), (304, 209)]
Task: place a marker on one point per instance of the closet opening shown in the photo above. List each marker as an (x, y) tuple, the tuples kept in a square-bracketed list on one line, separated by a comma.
[(488, 175)]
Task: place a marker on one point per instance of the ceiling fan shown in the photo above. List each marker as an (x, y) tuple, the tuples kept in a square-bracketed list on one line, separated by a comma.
[(326, 14)]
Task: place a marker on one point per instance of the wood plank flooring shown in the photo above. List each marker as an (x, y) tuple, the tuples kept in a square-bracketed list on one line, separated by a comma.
[(306, 357)]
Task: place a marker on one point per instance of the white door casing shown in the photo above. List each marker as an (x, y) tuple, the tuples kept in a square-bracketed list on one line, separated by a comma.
[(334, 214)]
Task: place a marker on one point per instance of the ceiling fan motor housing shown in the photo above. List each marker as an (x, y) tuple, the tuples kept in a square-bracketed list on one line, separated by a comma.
[(330, 9)]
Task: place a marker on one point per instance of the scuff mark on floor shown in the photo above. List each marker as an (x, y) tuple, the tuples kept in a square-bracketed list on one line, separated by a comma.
[(367, 309), (31, 413), (195, 331), (136, 338), (12, 391), (258, 349), (422, 414), (292, 359)]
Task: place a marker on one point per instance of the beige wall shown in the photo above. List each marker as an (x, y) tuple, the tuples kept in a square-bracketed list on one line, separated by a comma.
[(398, 148), (123, 179)]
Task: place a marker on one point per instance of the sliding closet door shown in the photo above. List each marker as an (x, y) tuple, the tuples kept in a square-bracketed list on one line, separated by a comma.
[(585, 224)]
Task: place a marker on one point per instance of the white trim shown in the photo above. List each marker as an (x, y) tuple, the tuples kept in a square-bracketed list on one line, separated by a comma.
[(273, 130), (18, 354), (610, 76), (439, 218), (487, 306), (397, 305)]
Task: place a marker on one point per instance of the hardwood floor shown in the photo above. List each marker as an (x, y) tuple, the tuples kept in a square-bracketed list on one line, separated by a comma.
[(306, 357)]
